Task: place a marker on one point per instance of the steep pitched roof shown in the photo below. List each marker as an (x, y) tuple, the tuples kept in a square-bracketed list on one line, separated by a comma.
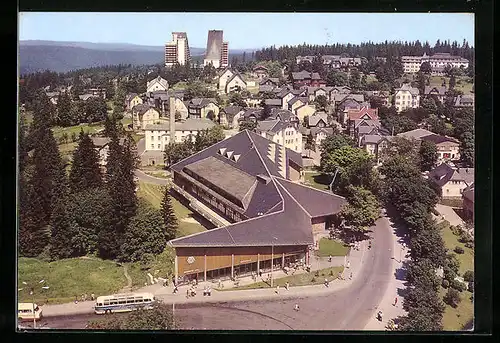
[(160, 80), (232, 110), (369, 113), (443, 173), (468, 193), (273, 102), (201, 102), (189, 124), (434, 90), (437, 139), (416, 134), (315, 130), (316, 117), (285, 209), (409, 88), (298, 98)]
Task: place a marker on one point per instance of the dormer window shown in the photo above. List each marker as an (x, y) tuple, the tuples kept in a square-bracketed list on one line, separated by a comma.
[(229, 154), (222, 150), (236, 158)]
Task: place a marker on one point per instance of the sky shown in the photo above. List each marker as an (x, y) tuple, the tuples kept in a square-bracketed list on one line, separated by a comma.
[(246, 30)]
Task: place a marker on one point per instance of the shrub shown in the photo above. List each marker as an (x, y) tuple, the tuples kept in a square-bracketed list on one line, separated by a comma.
[(455, 230), (471, 286), (459, 250), (445, 283), (469, 245), (469, 276), (452, 298), (459, 286), (313, 279), (449, 274), (465, 237)]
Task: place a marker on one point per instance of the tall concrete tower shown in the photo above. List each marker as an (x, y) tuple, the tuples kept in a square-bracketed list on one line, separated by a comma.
[(217, 50)]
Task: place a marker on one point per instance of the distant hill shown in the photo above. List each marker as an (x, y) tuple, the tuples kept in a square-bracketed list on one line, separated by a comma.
[(37, 55)]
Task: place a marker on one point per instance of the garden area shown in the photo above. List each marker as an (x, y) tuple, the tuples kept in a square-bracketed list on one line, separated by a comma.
[(303, 279), (459, 309), (317, 180)]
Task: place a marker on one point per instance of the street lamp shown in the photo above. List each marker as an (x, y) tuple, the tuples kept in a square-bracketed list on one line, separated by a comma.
[(272, 259), (32, 293)]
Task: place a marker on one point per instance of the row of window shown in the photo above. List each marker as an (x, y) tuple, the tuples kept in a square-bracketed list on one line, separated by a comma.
[(228, 211), (153, 146)]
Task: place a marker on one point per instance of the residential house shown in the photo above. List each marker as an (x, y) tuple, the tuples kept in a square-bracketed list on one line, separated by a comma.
[(157, 84), (53, 97), (313, 92), (318, 119), (281, 132), (320, 133), (447, 147), (437, 93), (339, 90), (364, 113), (332, 61), (230, 116), (97, 91), (260, 72), (224, 76), (132, 100), (270, 81), (235, 83), (273, 103), (304, 111), (468, 202), (305, 78), (300, 59), (246, 185), (284, 115), (157, 136), (343, 102), (406, 97), (181, 108), (101, 144), (266, 88), (452, 181), (383, 96), (462, 101), (374, 145), (252, 114), (296, 103), (252, 101), (143, 115), (346, 62), (203, 108)]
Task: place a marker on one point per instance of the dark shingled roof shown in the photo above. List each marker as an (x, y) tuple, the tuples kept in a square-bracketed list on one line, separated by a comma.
[(436, 139), (444, 173), (232, 110), (468, 193), (280, 211)]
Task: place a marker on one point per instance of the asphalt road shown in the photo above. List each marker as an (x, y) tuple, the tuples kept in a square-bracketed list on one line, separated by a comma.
[(347, 309)]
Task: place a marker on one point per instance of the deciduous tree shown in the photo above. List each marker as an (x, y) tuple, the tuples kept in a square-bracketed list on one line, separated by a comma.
[(428, 155)]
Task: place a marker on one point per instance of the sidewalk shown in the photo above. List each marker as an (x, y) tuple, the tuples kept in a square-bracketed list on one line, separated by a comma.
[(397, 283), (166, 293)]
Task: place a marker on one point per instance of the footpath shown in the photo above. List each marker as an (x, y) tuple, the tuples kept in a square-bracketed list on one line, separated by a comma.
[(355, 259)]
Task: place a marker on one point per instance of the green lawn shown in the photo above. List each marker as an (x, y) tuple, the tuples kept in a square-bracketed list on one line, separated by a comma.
[(455, 319), (303, 279), (463, 86), (180, 85), (93, 128), (370, 78), (330, 247), (317, 180), (154, 194), (451, 241), (67, 278)]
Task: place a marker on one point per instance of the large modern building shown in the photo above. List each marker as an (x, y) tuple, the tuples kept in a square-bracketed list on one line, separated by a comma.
[(247, 186), (177, 51), (411, 64), (217, 52)]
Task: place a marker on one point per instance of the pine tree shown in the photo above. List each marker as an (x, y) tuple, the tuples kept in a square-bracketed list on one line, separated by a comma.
[(85, 170), (121, 164), (64, 118), (43, 114), (168, 214), (21, 144), (63, 229)]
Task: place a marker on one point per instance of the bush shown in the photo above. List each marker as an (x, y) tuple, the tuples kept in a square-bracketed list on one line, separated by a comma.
[(469, 245), (452, 298), (469, 276), (471, 286), (445, 283), (465, 237), (449, 274), (459, 286), (456, 230), (458, 250), (313, 279)]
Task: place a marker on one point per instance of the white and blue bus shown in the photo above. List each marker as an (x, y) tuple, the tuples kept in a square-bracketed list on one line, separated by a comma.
[(123, 302)]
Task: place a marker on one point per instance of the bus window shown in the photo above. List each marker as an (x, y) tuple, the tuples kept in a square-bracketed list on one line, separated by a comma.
[(113, 302), (122, 301)]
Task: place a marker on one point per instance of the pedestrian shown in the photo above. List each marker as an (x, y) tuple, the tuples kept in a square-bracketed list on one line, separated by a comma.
[(260, 273), (278, 289), (76, 299), (296, 307), (370, 244), (395, 301), (92, 296), (287, 285), (187, 293), (85, 297), (330, 258), (348, 264)]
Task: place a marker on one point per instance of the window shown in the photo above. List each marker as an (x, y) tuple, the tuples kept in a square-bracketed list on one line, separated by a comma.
[(152, 146), (152, 138), (159, 138), (159, 146)]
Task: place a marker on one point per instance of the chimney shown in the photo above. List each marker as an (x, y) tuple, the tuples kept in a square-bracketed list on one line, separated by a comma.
[(172, 119)]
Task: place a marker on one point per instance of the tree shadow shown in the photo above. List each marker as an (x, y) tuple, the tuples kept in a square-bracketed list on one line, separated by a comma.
[(402, 292)]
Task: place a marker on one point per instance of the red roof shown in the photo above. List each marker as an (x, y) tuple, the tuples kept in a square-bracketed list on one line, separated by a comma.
[(359, 114)]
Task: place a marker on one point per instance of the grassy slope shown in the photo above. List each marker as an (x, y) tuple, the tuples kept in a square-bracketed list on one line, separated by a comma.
[(456, 318), (316, 180), (69, 277), (154, 194)]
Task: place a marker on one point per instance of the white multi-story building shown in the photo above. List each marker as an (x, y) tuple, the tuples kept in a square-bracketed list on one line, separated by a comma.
[(411, 64), (177, 51), (281, 132), (406, 97)]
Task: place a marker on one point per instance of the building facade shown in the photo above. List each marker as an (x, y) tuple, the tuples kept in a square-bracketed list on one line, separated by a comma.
[(411, 64), (177, 51), (217, 52), (406, 97)]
